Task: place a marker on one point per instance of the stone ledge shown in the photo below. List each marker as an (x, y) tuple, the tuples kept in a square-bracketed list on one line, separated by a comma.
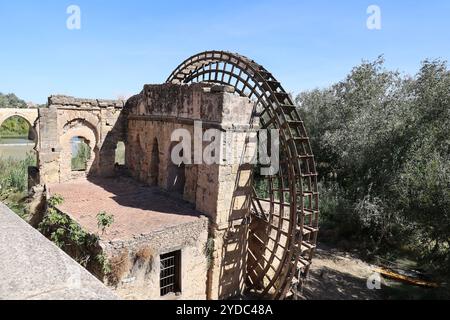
[(33, 268), (189, 121), (67, 101)]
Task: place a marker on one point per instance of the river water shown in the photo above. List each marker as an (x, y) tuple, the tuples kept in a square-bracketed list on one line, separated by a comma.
[(16, 148)]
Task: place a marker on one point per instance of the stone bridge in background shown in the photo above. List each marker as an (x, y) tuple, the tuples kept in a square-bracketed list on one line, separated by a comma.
[(31, 115), (253, 241), (53, 127)]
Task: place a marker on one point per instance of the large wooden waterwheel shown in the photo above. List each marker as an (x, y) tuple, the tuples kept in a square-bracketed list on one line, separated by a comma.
[(284, 227)]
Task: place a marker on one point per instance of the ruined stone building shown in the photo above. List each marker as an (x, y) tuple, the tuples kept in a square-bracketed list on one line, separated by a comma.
[(191, 230)]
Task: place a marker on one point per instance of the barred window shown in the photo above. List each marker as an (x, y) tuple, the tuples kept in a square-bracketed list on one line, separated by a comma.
[(170, 273)]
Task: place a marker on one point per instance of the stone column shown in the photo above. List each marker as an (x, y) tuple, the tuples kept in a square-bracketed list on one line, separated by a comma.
[(224, 191), (48, 146)]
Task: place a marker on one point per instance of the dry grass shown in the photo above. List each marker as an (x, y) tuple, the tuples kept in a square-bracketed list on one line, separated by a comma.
[(144, 259), (144, 254), (120, 265)]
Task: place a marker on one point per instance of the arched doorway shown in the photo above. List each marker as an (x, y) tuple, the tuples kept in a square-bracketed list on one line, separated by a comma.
[(79, 151), (81, 154)]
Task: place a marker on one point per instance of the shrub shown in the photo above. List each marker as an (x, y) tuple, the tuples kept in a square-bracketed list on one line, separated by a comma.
[(104, 220), (381, 142), (14, 174)]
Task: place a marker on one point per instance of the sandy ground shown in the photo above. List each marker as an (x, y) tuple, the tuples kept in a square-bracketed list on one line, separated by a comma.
[(336, 275)]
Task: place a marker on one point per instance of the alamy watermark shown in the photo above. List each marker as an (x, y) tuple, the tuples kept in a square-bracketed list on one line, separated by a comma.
[(73, 22), (374, 19), (374, 281), (214, 146)]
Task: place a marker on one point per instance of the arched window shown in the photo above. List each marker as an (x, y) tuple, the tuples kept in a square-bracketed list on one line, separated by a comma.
[(120, 154), (81, 153)]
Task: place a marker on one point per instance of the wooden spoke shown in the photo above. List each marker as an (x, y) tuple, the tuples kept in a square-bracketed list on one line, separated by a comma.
[(289, 210)]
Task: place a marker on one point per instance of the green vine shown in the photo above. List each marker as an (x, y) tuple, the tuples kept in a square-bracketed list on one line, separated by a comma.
[(102, 259), (70, 236), (104, 220)]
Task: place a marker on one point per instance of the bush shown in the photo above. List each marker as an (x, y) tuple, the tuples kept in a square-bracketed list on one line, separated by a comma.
[(67, 234), (104, 221), (382, 143), (11, 101), (14, 174), (14, 127)]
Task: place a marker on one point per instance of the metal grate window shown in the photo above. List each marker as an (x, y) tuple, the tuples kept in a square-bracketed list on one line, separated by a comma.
[(170, 273)]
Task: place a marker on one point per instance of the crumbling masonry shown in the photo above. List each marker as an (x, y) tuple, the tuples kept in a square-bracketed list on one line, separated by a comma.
[(192, 230)]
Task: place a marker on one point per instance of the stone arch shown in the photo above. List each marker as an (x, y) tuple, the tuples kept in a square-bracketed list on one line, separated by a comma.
[(30, 119), (82, 123), (86, 132), (31, 115)]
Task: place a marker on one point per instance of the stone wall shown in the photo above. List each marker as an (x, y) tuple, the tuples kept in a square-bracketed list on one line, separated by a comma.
[(99, 122), (139, 260), (220, 190)]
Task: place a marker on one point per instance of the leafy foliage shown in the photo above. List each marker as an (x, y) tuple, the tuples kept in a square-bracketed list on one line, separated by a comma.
[(70, 236), (209, 251), (382, 142), (14, 127), (13, 174), (102, 259), (11, 101), (62, 230), (104, 220), (14, 183), (55, 200)]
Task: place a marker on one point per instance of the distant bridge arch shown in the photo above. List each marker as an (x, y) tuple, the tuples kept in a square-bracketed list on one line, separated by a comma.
[(31, 115)]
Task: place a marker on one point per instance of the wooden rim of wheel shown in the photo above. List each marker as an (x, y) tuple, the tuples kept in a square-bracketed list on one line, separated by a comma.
[(290, 207)]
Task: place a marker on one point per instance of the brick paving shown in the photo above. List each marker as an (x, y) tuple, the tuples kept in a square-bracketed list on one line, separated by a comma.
[(137, 209)]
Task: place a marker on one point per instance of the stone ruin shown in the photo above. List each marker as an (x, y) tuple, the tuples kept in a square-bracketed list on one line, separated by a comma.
[(190, 230)]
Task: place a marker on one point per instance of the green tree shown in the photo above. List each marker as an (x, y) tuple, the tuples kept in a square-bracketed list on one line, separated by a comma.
[(11, 101), (382, 145), (422, 187), (14, 127)]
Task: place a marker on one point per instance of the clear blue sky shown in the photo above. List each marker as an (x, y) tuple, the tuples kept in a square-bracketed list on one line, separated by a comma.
[(125, 44)]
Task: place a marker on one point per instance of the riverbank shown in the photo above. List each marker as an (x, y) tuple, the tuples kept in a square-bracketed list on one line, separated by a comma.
[(14, 182), (16, 147)]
